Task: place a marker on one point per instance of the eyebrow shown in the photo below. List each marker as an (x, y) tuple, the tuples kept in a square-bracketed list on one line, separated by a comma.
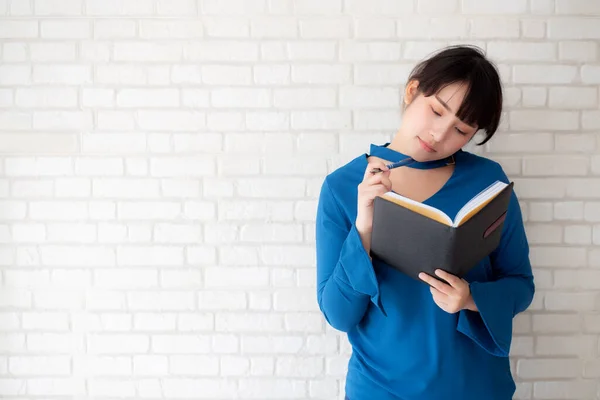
[(447, 107)]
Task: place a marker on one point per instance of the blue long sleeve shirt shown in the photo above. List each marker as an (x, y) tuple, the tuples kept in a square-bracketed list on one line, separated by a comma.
[(404, 347)]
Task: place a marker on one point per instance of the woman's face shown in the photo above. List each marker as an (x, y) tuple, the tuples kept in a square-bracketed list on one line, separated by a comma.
[(430, 129)]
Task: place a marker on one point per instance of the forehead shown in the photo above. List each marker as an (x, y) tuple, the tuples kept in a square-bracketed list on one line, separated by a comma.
[(453, 94)]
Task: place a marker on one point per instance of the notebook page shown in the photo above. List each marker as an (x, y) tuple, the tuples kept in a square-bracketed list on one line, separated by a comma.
[(420, 208), (478, 202)]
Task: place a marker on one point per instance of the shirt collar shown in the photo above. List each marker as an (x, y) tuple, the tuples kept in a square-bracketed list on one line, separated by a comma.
[(384, 152)]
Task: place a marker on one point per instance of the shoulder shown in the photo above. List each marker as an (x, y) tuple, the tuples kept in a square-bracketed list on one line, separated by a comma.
[(347, 177), (481, 166), (339, 189)]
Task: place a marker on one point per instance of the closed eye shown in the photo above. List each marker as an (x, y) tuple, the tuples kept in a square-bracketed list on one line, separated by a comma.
[(459, 131), (435, 112)]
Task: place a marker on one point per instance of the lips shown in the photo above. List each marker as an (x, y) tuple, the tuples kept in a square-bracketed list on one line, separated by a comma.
[(426, 146)]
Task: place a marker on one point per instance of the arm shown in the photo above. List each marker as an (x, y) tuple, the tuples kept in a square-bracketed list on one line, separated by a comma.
[(509, 293), (346, 281)]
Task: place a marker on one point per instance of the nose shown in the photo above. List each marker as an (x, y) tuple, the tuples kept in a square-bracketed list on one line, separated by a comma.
[(439, 132)]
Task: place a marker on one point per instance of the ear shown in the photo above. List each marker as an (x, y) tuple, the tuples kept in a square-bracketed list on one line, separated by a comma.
[(411, 92)]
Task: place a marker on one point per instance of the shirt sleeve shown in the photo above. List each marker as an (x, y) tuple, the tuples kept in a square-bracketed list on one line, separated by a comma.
[(346, 280), (509, 292)]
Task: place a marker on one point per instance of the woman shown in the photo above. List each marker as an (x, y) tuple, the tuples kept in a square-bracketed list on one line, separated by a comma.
[(425, 339)]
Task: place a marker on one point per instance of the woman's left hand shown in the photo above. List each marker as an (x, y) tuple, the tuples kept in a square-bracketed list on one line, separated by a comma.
[(453, 297)]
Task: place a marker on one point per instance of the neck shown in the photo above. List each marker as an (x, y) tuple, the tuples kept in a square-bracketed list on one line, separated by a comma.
[(399, 145)]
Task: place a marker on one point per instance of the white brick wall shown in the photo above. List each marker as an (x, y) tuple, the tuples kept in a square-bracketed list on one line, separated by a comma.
[(160, 162)]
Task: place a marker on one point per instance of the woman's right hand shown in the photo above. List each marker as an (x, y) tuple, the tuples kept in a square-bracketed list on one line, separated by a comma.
[(372, 186)]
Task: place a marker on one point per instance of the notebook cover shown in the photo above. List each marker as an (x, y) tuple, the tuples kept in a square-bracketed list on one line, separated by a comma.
[(480, 235), (413, 243), (408, 241)]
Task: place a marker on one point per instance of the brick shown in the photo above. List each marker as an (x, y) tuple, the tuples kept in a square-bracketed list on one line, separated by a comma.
[(538, 212), (378, 7), (548, 368), (56, 387), (55, 343), (583, 188), (534, 96), (236, 277), (522, 142), (505, 7), (226, 27), (544, 74), (119, 7), (299, 367), (556, 323), (544, 233), (148, 98), (221, 51), (181, 29), (433, 28), (260, 301), (150, 255), (303, 322), (15, 74), (355, 97), (77, 255), (564, 390), (67, 29), (114, 29), (546, 120), (548, 188), (590, 74), (62, 74), (570, 301), (590, 120), (62, 8), (577, 50), (574, 142), (273, 27), (233, 7), (194, 365), (180, 344), (150, 52), (46, 321), (550, 166), (311, 51), (295, 300), (196, 322), (577, 7), (54, 366), (574, 28), (372, 28), (370, 51), (16, 29), (578, 234), (511, 51), (234, 366), (286, 255), (561, 257), (572, 97), (180, 279)]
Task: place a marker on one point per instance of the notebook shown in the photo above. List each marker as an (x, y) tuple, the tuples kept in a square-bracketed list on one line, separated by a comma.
[(414, 237)]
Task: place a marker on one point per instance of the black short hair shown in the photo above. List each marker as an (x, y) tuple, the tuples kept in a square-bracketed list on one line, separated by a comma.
[(482, 105)]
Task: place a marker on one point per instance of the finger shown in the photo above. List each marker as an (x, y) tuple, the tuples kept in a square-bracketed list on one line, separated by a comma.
[(385, 180), (374, 164), (439, 296), (377, 178), (376, 190), (439, 285), (441, 305), (453, 280)]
